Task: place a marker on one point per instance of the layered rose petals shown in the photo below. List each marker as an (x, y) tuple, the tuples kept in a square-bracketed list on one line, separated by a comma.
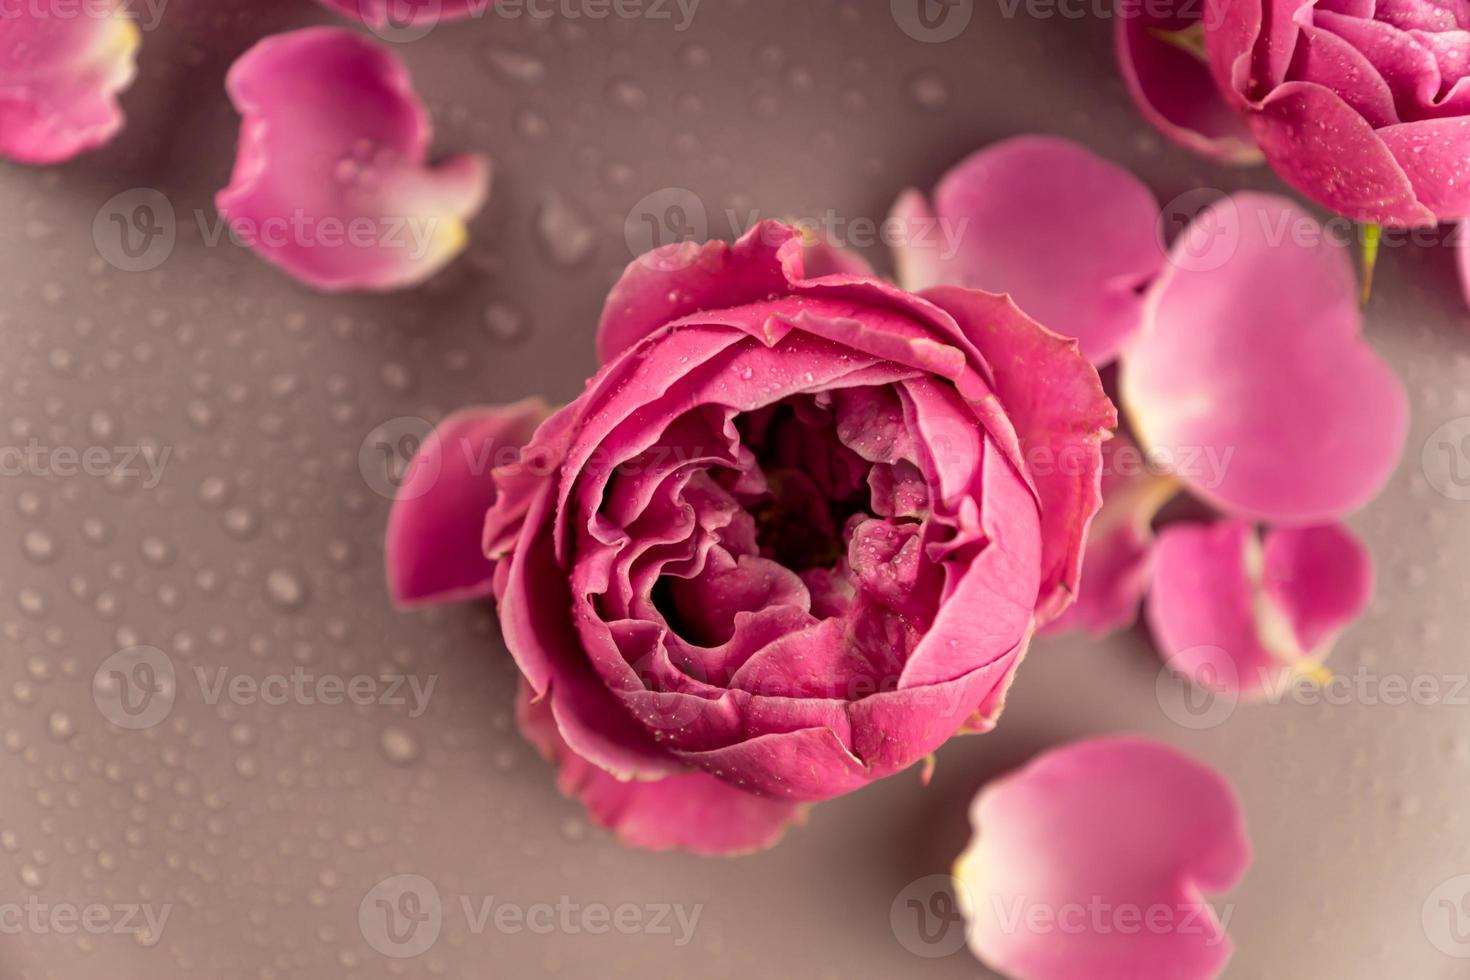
[(60, 74), (1171, 83), (1256, 355), (1361, 107), (691, 812), (433, 551), (1242, 618), (1071, 237), (1091, 864), (330, 182), (388, 13), (789, 539)]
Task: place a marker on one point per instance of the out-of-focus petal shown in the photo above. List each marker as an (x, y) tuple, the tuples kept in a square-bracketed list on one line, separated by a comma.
[(1320, 577), (1092, 861), (1119, 559), (433, 551), (1070, 236), (1241, 619), (1173, 88), (692, 811), (388, 13), (330, 182), (1252, 351), (60, 76), (1061, 416)]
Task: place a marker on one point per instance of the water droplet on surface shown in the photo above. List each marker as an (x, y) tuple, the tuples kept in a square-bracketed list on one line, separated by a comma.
[(285, 589), (566, 237), (399, 746)]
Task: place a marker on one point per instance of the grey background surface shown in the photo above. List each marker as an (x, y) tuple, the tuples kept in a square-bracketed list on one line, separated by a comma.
[(263, 826)]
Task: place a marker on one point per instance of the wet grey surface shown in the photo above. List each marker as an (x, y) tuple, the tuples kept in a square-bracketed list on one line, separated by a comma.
[(261, 829)]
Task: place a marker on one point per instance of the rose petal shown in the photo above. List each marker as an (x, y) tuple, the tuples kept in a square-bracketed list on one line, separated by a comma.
[(1255, 355), (433, 551), (1061, 415), (1070, 236), (330, 183), (1341, 142), (689, 811), (1240, 620), (1089, 864), (1320, 577), (59, 78), (1174, 89), (386, 13), (1433, 153)]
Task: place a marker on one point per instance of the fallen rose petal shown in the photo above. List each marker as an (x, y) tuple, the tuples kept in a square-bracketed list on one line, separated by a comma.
[(1173, 87), (692, 811), (1242, 619), (330, 183), (1070, 236), (59, 79), (1255, 356), (433, 551), (1088, 838)]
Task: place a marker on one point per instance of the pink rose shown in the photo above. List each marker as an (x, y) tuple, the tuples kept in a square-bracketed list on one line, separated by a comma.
[(794, 534), (1360, 106)]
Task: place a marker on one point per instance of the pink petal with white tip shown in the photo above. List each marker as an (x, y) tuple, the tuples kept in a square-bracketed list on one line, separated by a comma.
[(1070, 236), (433, 551), (331, 182), (690, 811), (1244, 619), (1252, 351), (59, 79), (1091, 863)]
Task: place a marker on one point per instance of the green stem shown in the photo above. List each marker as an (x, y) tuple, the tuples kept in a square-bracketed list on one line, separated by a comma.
[(1372, 235)]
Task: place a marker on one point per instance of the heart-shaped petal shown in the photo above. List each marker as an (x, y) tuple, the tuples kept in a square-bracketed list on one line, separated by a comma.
[(1090, 864), (1251, 350), (331, 183), (1070, 236), (1243, 619), (59, 78)]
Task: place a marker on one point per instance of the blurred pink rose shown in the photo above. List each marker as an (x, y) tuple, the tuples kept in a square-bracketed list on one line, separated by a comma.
[(789, 537)]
